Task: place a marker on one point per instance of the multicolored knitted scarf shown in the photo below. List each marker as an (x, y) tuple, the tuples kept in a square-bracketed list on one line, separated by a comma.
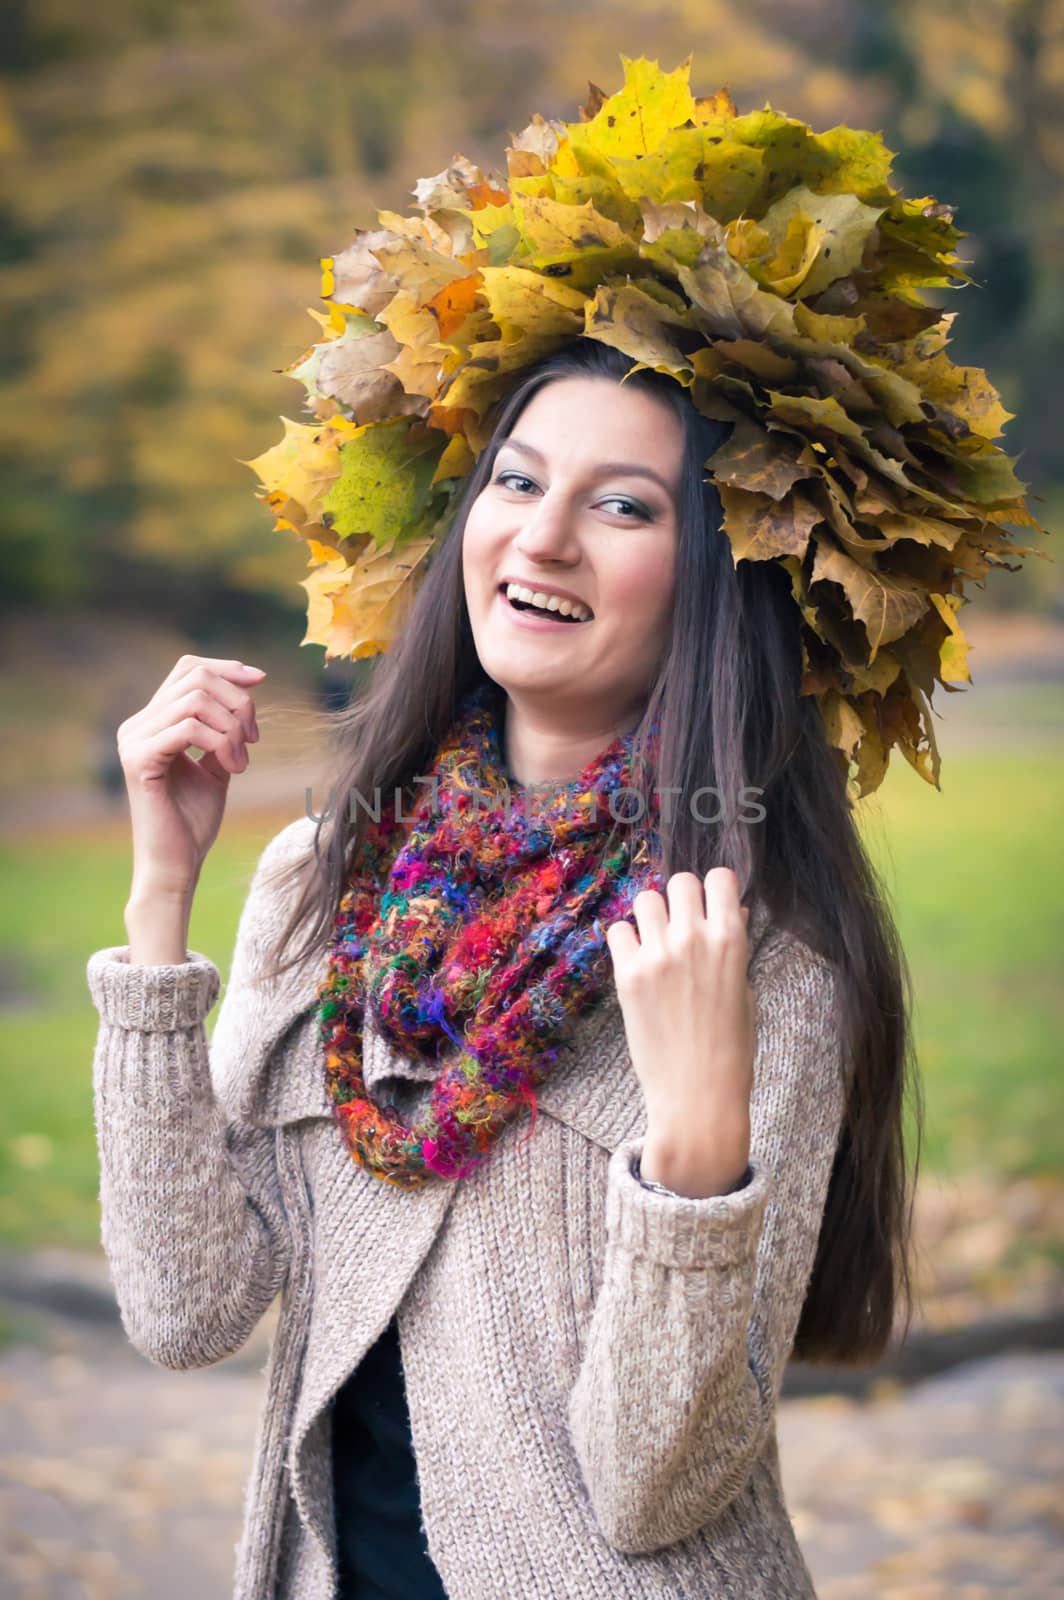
[(477, 931)]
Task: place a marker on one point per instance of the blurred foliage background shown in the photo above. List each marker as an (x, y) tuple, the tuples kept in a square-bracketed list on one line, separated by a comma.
[(174, 169)]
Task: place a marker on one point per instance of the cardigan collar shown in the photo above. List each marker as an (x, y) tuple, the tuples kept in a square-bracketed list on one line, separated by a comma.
[(592, 1087)]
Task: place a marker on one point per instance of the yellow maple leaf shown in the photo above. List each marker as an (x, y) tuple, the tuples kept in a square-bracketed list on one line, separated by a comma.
[(528, 307), (634, 321), (303, 466), (636, 119), (841, 225), (416, 333), (871, 755), (356, 610), (572, 241), (787, 269), (759, 527), (456, 461), (666, 175), (418, 269), (714, 107)]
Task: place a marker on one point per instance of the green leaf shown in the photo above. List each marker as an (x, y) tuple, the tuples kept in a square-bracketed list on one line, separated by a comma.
[(385, 482), (989, 479)]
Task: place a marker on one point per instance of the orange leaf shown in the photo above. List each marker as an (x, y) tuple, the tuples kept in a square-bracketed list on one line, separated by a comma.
[(452, 304)]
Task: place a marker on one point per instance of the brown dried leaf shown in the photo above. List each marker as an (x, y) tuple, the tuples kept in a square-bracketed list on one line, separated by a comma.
[(751, 460), (759, 526), (888, 606)]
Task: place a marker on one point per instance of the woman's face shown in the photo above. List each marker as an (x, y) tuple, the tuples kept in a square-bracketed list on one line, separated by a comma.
[(582, 503)]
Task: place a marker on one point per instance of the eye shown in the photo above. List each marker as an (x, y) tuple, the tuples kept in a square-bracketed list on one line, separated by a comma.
[(631, 509), (503, 476), (634, 507)]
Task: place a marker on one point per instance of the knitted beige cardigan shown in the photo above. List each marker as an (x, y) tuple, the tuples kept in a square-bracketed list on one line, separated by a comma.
[(592, 1368)]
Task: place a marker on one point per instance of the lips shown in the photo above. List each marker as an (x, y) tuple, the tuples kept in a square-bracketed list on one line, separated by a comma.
[(537, 621), (566, 604)]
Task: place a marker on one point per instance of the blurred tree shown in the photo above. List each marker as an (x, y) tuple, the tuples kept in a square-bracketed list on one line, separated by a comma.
[(171, 170)]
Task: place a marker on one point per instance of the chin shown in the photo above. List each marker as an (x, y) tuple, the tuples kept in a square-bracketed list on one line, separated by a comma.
[(512, 681)]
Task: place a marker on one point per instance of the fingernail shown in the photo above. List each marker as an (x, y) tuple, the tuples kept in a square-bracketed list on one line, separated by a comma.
[(259, 671)]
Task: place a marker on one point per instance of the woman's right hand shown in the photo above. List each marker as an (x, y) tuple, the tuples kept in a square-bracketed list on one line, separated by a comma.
[(177, 802)]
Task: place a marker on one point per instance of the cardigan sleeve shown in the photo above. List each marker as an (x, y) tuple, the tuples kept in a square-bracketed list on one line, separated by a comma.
[(192, 1222), (700, 1298)]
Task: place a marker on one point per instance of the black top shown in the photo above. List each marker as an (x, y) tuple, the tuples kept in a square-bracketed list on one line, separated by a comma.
[(380, 1546)]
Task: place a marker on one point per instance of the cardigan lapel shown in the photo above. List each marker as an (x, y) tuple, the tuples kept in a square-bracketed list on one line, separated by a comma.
[(268, 1087), (369, 1239), (593, 1086)]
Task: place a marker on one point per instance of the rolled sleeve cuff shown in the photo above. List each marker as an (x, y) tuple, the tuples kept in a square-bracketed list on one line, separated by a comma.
[(681, 1231), (152, 999)]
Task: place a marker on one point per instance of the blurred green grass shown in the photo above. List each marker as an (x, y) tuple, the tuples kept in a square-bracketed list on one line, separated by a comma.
[(63, 899), (974, 875)]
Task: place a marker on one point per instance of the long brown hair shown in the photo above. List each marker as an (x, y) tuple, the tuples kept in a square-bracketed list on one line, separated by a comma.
[(727, 704)]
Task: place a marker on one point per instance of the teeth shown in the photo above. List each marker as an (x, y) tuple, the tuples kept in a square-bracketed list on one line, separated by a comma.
[(548, 602)]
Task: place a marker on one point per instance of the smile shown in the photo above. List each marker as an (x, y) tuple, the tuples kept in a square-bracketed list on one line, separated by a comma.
[(534, 608)]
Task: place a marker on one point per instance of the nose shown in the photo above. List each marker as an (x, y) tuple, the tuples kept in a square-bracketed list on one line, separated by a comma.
[(546, 532)]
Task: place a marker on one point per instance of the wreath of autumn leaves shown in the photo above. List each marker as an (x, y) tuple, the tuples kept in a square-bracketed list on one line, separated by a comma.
[(771, 270)]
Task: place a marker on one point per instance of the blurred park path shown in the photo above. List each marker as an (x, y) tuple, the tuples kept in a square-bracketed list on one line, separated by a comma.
[(120, 1481), (947, 1491)]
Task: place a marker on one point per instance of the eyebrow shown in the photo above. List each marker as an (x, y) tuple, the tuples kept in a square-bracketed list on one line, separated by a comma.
[(603, 469)]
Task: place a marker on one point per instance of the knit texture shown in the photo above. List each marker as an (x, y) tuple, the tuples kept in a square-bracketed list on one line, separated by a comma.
[(478, 930), (592, 1369)]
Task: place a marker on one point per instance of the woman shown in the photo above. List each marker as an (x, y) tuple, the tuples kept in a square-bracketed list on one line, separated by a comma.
[(697, 993)]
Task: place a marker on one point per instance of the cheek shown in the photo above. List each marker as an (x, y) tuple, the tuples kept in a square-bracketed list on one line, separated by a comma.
[(476, 548), (641, 585), (469, 565)]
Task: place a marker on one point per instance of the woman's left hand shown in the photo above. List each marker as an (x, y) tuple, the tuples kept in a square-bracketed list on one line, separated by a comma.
[(689, 1017)]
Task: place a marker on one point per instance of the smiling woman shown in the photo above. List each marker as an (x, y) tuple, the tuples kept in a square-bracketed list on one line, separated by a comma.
[(706, 1019), (562, 1125)]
